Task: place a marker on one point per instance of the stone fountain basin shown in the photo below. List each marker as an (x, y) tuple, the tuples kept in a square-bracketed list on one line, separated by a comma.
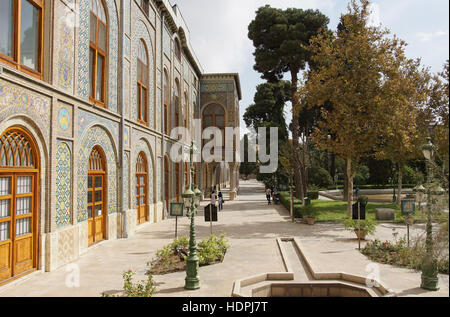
[(316, 289)]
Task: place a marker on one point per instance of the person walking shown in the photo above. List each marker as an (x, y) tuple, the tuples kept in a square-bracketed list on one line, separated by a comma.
[(268, 195), (220, 195), (213, 198)]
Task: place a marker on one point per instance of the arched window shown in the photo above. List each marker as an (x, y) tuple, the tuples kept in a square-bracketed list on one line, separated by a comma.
[(96, 199), (98, 52), (145, 6), (21, 41), (214, 116), (177, 102), (142, 83), (177, 49), (166, 102), (19, 179), (186, 111), (141, 188)]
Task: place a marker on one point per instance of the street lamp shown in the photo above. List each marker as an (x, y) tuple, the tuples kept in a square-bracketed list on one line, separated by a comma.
[(191, 199), (429, 265)]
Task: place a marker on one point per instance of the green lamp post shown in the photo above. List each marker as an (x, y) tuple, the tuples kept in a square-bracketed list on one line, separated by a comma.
[(191, 197), (429, 265)]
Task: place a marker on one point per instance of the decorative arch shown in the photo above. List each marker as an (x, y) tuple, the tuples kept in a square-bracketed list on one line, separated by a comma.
[(96, 136), (142, 35)]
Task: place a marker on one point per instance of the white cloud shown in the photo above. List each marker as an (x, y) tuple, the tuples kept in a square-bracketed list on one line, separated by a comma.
[(219, 29), (374, 18), (428, 36)]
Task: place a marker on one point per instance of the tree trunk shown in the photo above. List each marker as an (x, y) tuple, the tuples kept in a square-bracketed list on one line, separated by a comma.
[(333, 165), (299, 193), (345, 196), (349, 186), (400, 183)]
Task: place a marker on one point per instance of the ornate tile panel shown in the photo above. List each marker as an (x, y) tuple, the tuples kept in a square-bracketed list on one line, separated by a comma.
[(17, 100), (64, 46), (64, 119), (63, 185), (126, 181), (96, 135)]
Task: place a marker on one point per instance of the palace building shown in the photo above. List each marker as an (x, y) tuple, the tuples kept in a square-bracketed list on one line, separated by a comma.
[(89, 93)]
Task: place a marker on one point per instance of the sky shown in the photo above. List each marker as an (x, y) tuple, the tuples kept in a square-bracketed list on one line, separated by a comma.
[(219, 33)]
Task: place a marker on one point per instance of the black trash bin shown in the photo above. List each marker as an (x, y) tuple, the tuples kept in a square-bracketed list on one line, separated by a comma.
[(362, 212), (213, 211)]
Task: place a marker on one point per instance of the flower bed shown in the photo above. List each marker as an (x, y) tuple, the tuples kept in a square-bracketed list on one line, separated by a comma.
[(399, 254), (172, 258)]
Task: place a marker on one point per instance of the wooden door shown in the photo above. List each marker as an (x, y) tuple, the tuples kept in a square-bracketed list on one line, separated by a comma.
[(141, 189), (96, 197), (18, 204), (166, 182)]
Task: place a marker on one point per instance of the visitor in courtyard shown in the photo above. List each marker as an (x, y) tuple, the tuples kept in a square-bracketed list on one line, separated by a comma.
[(213, 198), (220, 195), (268, 195)]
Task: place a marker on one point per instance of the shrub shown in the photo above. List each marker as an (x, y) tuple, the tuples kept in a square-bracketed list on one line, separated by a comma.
[(359, 179), (363, 200), (313, 195), (410, 176), (308, 211), (130, 289), (212, 249), (320, 177), (368, 226)]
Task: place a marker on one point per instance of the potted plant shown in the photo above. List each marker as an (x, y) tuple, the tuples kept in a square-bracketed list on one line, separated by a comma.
[(366, 227), (309, 214)]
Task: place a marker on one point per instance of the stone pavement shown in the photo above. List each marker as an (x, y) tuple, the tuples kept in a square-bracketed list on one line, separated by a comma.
[(252, 228)]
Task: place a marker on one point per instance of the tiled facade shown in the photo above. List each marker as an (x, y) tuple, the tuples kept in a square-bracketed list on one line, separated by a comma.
[(66, 126)]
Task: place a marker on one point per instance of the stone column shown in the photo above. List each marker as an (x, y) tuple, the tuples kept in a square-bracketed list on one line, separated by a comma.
[(233, 191)]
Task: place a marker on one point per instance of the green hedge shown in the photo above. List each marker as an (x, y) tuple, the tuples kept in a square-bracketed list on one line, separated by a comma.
[(407, 186), (286, 202)]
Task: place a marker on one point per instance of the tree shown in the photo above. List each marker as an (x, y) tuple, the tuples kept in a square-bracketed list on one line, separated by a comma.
[(268, 108), (407, 90), (281, 39), (353, 70), (247, 167), (438, 108)]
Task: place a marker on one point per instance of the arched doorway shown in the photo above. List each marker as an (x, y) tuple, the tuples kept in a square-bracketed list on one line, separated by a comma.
[(19, 184), (141, 188), (97, 200), (166, 182)]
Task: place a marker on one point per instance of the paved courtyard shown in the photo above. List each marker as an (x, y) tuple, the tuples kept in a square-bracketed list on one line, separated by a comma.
[(252, 228)]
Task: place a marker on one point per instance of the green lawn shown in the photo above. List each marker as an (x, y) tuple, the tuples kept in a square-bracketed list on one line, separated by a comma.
[(331, 210), (337, 210)]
